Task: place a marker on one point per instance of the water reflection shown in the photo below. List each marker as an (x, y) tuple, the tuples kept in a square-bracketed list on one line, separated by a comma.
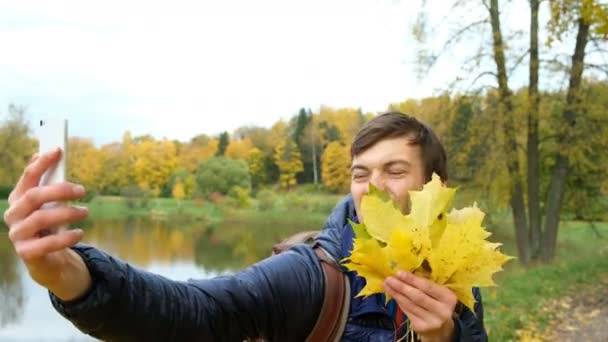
[(179, 253), (144, 241), (11, 290)]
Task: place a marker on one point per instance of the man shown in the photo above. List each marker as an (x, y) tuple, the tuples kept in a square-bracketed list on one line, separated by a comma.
[(278, 298)]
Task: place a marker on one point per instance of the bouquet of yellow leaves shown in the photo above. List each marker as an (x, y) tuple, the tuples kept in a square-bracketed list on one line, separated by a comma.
[(450, 249)]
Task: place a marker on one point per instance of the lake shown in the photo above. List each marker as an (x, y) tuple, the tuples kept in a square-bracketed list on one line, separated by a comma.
[(180, 253)]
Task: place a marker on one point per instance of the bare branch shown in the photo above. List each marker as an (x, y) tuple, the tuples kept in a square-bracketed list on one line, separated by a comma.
[(555, 65), (600, 68), (431, 59), (517, 62), (456, 36), (480, 75), (602, 51), (457, 4), (485, 4)]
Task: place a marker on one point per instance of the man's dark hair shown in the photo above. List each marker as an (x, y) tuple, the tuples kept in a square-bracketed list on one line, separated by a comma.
[(396, 124)]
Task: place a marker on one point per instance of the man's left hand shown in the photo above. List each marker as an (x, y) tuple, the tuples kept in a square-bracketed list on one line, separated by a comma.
[(428, 306)]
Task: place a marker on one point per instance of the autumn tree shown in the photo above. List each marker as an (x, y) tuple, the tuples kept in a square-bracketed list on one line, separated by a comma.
[(589, 19), (239, 149), (255, 161), (178, 192), (288, 159), (335, 167), (155, 162), (187, 181), (118, 166), (196, 151), (581, 17), (264, 140), (16, 145), (85, 163)]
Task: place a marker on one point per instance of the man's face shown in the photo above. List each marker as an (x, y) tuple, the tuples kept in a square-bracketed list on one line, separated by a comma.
[(392, 165)]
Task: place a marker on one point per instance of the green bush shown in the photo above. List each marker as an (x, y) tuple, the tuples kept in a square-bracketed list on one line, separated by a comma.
[(135, 197), (266, 199), (220, 174), (241, 195)]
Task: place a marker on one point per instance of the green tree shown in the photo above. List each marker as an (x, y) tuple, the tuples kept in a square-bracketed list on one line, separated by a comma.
[(224, 141), (220, 174)]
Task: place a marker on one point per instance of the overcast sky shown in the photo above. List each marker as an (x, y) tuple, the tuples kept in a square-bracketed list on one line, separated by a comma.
[(158, 67)]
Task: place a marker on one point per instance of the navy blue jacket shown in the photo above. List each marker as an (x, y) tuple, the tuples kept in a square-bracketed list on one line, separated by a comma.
[(278, 298)]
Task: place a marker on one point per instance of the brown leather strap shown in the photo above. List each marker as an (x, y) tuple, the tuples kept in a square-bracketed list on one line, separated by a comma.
[(328, 327)]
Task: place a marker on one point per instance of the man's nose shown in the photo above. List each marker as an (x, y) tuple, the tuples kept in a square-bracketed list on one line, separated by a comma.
[(377, 180)]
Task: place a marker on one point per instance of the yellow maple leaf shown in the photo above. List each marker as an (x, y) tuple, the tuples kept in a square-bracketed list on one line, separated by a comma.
[(449, 249)]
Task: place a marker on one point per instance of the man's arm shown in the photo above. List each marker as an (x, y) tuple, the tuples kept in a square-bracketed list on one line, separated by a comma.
[(278, 298)]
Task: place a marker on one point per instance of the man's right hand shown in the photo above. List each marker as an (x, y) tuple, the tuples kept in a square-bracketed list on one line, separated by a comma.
[(45, 251)]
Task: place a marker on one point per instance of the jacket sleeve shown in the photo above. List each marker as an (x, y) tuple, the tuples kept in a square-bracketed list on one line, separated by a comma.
[(469, 325), (278, 298)]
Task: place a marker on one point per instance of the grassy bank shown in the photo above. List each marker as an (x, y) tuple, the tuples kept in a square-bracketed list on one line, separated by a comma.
[(582, 257)]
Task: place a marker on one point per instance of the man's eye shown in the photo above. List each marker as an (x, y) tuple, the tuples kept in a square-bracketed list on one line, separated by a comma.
[(359, 176), (396, 173)]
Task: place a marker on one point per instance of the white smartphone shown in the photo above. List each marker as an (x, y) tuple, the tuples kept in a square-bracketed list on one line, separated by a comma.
[(53, 133)]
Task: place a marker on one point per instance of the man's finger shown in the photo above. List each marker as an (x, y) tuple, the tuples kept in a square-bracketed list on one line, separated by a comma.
[(35, 197), (33, 172), (43, 219), (36, 248), (426, 286), (414, 295), (421, 319), (406, 304)]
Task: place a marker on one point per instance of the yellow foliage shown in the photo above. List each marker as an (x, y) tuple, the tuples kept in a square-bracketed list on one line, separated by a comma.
[(239, 149), (278, 133), (255, 161), (565, 13), (287, 157), (85, 162), (448, 248), (346, 120), (193, 154), (178, 190), (155, 162), (117, 169), (335, 165)]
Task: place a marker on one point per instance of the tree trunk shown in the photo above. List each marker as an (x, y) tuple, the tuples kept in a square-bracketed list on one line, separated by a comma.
[(533, 153), (508, 123), (560, 171), (315, 176)]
